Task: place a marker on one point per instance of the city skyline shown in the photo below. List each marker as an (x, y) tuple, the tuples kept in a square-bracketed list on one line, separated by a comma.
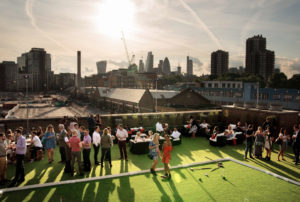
[(178, 28)]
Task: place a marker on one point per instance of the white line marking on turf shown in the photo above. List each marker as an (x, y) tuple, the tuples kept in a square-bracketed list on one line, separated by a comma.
[(267, 172), (140, 172)]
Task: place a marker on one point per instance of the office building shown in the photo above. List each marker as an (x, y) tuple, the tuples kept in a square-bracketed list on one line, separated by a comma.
[(189, 66), (141, 66), (149, 62), (37, 65), (166, 66), (178, 70), (259, 60), (101, 67), (219, 62)]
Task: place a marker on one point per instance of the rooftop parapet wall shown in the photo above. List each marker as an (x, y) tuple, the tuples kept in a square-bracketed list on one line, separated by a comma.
[(284, 119), (146, 120)]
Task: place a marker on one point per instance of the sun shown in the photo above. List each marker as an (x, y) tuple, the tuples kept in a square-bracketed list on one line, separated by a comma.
[(114, 16)]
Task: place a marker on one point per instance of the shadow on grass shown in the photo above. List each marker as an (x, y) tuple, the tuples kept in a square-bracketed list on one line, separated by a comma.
[(164, 196), (203, 188), (125, 191)]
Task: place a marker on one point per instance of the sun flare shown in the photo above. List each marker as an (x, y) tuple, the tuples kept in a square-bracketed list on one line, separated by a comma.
[(114, 16)]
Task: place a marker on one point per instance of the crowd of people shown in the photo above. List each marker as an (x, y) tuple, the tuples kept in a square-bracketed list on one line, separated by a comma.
[(75, 141), (264, 138)]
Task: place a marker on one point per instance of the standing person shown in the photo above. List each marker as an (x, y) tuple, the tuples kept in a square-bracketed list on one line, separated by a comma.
[(96, 144), (91, 124), (81, 130), (3, 159), (282, 138), (75, 145), (86, 144), (194, 127), (40, 132), (98, 120), (122, 135), (106, 144), (249, 141), (259, 142), (268, 144), (167, 149), (268, 125), (154, 152), (76, 128), (20, 155), (68, 152), (49, 138), (296, 144), (158, 127), (61, 142), (35, 145)]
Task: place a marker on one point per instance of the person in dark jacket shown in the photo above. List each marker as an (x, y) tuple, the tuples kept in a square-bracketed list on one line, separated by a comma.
[(296, 143)]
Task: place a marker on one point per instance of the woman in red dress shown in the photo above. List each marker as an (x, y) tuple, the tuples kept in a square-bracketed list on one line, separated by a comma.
[(167, 149)]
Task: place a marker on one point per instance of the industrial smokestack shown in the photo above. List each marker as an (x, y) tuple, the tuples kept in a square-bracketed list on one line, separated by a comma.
[(78, 69)]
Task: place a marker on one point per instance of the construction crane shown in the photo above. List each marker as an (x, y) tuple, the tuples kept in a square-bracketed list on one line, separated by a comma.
[(130, 61)]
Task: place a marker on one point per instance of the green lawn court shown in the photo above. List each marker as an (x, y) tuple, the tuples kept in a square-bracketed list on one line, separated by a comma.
[(241, 184)]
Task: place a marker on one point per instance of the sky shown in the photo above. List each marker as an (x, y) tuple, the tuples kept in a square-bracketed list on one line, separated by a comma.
[(168, 28)]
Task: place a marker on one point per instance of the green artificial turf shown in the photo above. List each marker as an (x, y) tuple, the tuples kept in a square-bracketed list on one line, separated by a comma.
[(240, 183), (191, 150)]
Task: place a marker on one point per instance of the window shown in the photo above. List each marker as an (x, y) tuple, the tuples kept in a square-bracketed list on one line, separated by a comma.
[(228, 85), (276, 97), (209, 85), (223, 85), (216, 85), (233, 85), (287, 97), (239, 85)]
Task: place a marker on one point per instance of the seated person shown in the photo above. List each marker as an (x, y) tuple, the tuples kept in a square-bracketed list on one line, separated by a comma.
[(215, 132), (229, 132), (35, 145), (138, 137), (149, 135), (176, 134), (159, 127), (204, 124), (166, 128)]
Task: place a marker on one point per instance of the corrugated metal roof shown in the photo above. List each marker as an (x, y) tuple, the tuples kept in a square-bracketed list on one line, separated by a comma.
[(160, 94), (126, 94)]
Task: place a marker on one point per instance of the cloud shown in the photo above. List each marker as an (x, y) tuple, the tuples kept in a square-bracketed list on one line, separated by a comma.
[(121, 64), (288, 66), (197, 62), (29, 13), (202, 24)]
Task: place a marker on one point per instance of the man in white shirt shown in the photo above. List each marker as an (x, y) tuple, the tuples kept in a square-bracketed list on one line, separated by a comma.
[(176, 134), (159, 127), (122, 134), (35, 145), (96, 144)]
